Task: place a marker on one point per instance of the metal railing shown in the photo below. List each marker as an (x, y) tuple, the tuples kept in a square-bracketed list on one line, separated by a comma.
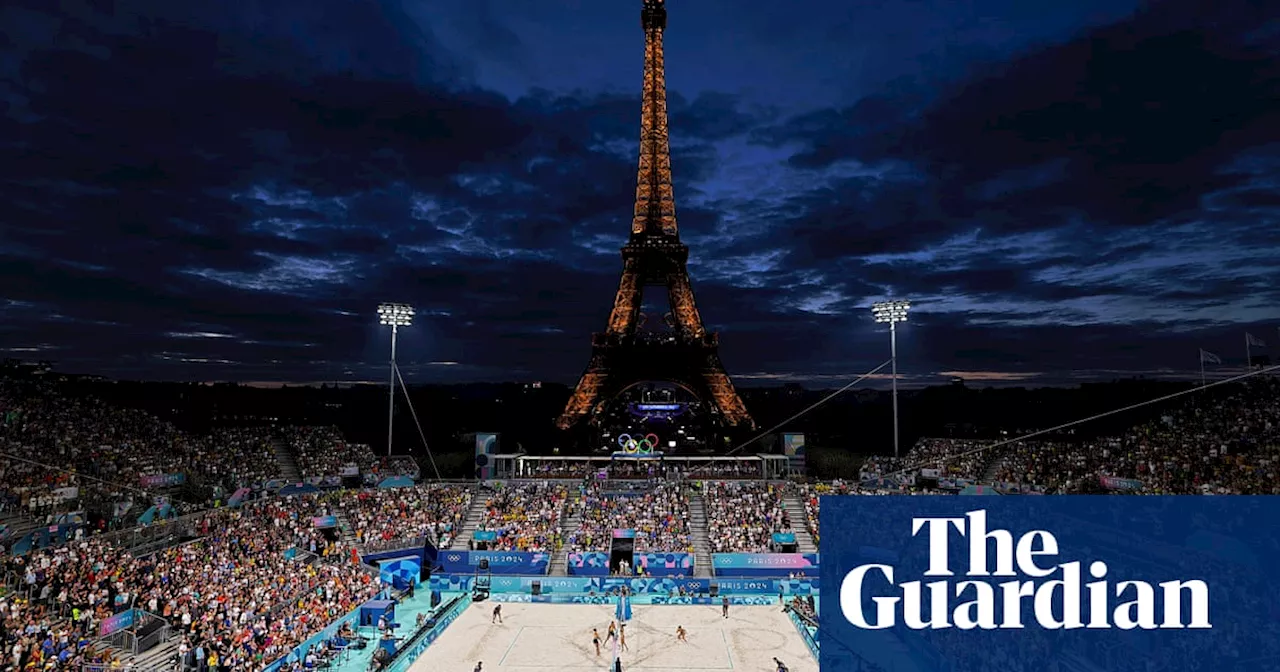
[(129, 641), (392, 545)]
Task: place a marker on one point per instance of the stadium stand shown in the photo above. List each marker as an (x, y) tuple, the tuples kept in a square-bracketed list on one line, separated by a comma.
[(436, 512), (525, 516), (660, 518), (321, 451), (257, 580), (742, 516)]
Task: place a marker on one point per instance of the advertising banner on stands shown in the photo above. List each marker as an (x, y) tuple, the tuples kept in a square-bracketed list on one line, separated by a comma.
[(162, 480), (665, 564), (764, 564), (500, 562), (116, 623), (1113, 483), (602, 586), (591, 563)]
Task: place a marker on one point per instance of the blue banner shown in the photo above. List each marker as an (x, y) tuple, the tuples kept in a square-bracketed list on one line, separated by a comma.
[(324, 521), (500, 562), (401, 572), (154, 513), (1113, 483), (555, 585), (375, 559), (784, 538), (592, 563), (116, 623), (624, 533), (484, 535), (237, 497), (1045, 583), (665, 564), (764, 564), (162, 480)]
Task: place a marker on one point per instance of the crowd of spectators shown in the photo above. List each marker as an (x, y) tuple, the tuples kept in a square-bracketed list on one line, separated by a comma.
[(383, 514), (526, 517), (647, 469), (660, 518), (951, 458), (258, 582), (321, 451), (36, 634), (74, 447), (744, 469), (1226, 443), (743, 515), (564, 469)]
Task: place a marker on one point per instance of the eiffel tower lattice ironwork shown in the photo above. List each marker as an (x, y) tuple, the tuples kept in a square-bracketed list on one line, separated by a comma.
[(654, 256)]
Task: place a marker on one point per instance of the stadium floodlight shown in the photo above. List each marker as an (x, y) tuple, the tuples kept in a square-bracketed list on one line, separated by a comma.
[(891, 313), (396, 315)]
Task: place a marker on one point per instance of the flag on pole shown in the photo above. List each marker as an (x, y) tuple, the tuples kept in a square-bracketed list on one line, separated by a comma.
[(1254, 340), (1207, 357)]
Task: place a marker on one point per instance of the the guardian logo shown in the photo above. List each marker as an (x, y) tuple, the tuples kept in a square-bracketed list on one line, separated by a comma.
[(1055, 591)]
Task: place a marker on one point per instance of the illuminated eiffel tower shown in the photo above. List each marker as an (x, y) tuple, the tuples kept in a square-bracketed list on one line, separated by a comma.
[(654, 256)]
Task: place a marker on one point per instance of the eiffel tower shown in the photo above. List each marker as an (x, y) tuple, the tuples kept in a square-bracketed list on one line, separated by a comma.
[(654, 256)]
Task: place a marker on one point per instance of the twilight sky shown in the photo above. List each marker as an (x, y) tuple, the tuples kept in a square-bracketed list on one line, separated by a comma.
[(225, 190)]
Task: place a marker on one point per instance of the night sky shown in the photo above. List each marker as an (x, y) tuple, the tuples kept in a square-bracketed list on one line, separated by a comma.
[(1066, 189)]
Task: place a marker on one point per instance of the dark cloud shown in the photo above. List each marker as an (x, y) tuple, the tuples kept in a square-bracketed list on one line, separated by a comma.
[(218, 191)]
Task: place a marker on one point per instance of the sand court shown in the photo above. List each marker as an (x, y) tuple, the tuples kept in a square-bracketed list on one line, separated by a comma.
[(539, 637)]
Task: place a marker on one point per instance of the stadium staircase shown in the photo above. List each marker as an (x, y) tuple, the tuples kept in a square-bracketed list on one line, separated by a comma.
[(288, 465), (992, 467), (160, 657), (17, 524), (799, 523), (475, 515), (701, 539), (568, 524), (345, 527)]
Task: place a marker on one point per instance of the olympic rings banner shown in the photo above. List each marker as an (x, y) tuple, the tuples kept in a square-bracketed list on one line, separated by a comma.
[(638, 444), (500, 562), (762, 564)]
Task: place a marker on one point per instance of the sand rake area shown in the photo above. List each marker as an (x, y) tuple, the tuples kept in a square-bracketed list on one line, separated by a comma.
[(544, 637)]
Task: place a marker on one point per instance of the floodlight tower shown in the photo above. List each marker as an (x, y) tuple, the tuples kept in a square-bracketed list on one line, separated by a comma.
[(397, 315), (892, 312)]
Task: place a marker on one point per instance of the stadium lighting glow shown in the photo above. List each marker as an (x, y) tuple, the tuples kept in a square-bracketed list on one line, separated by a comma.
[(396, 315), (891, 313)]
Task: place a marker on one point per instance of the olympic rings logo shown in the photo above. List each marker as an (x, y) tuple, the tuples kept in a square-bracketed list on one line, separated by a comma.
[(643, 446)]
